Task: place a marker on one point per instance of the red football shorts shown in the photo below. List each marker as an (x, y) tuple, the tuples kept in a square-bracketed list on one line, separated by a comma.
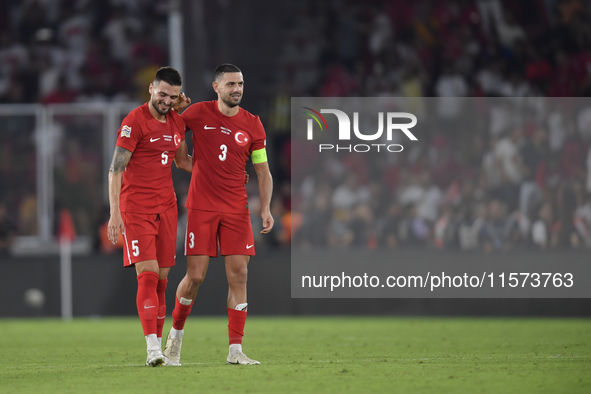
[(150, 237), (206, 230)]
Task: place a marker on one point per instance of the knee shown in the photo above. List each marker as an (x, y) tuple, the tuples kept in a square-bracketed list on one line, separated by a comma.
[(196, 277), (238, 276), (163, 273)]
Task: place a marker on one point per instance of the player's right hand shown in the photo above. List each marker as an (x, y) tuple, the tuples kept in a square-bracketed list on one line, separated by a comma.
[(181, 103), (115, 223)]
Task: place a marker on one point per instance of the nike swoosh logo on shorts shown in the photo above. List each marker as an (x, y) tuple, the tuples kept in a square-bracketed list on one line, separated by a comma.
[(154, 139), (249, 246), (208, 128), (148, 307)]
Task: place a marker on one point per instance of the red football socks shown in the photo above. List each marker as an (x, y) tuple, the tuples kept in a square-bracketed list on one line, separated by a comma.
[(236, 321), (161, 291), (147, 301), (180, 314)]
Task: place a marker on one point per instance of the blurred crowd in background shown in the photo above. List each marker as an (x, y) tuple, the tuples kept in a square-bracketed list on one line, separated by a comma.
[(516, 182), (520, 180), (486, 173), (81, 50), (70, 51)]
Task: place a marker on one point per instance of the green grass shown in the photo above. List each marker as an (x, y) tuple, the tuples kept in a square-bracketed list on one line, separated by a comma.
[(316, 355)]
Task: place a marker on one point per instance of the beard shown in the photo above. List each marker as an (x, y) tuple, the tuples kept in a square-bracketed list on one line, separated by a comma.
[(231, 103), (156, 106)]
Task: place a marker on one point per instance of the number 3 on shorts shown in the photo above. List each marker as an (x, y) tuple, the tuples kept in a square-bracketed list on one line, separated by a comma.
[(191, 240), (135, 248), (224, 149)]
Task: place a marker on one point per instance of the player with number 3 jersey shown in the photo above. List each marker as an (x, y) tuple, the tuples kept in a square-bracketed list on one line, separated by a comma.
[(225, 136), (222, 146)]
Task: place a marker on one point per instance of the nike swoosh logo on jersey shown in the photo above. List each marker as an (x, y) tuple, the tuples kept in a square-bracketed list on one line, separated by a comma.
[(154, 139), (208, 128), (249, 246)]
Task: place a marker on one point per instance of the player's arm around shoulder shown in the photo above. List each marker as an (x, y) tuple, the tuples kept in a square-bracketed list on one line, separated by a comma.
[(265, 192), (121, 158)]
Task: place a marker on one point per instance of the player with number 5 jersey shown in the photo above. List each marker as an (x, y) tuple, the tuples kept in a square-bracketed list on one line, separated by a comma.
[(143, 202), (225, 136)]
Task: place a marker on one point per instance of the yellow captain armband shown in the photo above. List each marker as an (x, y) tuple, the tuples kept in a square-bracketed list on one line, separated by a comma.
[(259, 156)]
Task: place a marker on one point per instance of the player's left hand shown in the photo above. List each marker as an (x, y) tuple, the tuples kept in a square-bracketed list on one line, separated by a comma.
[(181, 103), (246, 178), (268, 222)]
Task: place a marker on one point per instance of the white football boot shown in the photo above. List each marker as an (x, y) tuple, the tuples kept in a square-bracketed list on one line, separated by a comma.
[(235, 356), (155, 357), (172, 349)]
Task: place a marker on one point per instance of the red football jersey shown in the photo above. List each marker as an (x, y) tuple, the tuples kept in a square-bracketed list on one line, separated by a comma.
[(221, 147), (147, 180)]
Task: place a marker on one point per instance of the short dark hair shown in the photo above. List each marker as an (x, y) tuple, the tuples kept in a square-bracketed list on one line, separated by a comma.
[(225, 68), (168, 75)]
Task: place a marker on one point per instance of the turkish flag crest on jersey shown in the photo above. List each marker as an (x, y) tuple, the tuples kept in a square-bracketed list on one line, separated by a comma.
[(241, 137)]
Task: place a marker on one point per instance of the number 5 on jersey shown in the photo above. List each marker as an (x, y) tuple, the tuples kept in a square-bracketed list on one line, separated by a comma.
[(224, 149)]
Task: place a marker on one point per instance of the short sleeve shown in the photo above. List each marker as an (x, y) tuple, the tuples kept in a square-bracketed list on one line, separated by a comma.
[(129, 134), (259, 136), (179, 124), (191, 115)]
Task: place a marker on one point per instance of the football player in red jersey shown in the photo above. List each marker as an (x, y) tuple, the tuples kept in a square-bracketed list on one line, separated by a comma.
[(143, 202), (224, 137)]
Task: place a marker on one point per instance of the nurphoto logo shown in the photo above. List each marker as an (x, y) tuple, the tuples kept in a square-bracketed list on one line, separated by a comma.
[(344, 132)]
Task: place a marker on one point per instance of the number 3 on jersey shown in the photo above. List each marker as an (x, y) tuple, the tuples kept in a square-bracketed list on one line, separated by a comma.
[(224, 149)]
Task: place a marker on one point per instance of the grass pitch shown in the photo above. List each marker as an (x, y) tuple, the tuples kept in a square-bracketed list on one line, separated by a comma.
[(315, 355)]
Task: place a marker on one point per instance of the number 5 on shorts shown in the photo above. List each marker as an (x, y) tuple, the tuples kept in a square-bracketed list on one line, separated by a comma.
[(135, 248)]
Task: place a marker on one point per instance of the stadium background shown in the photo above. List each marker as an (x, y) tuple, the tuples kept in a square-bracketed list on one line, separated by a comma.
[(94, 58)]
